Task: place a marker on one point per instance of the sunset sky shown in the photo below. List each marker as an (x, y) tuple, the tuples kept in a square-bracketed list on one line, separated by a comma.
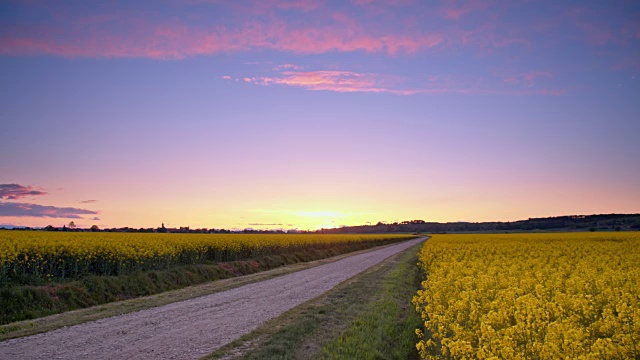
[(307, 114)]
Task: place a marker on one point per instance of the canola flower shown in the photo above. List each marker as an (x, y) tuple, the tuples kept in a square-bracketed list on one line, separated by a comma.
[(73, 254), (530, 296)]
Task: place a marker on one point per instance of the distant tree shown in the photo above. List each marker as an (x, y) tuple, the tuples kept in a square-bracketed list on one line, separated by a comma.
[(592, 229), (72, 225), (94, 228), (50, 228)]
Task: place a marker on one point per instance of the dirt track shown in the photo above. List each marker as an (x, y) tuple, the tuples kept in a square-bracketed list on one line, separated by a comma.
[(196, 327)]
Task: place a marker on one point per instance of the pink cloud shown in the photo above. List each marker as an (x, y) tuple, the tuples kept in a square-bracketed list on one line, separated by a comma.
[(257, 63), (554, 92), (318, 27), (487, 37), (348, 82), (260, 6), (595, 31), (181, 42), (452, 13), (35, 210), (528, 78), (627, 62), (341, 81), (332, 80), (455, 11), (379, 6), (363, 2), (226, 77), (127, 35), (597, 34), (303, 5), (259, 80), (16, 191), (478, 85), (318, 40), (631, 30), (287, 67), (270, 6)]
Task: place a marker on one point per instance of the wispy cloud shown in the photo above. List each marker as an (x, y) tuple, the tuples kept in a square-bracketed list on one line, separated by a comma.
[(396, 30), (528, 79), (181, 41), (316, 30), (456, 10), (349, 81), (627, 62), (257, 62), (382, 6), (296, 26), (34, 210), (307, 213), (589, 21), (15, 191), (329, 80), (287, 67), (268, 6), (88, 201), (304, 5)]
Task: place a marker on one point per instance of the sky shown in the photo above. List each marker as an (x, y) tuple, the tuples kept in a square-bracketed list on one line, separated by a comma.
[(302, 114)]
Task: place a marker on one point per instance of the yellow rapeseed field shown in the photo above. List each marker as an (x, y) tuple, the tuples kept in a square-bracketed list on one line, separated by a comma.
[(73, 254), (530, 296)]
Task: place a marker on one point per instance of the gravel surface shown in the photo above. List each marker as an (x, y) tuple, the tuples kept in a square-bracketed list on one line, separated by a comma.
[(192, 328)]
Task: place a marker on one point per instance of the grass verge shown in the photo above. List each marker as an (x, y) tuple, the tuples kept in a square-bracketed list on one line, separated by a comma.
[(69, 318), (369, 316)]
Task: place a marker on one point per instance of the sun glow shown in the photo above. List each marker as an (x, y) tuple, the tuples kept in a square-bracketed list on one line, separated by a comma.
[(307, 219)]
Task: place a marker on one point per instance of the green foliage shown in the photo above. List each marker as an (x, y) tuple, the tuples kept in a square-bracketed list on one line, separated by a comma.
[(22, 302)]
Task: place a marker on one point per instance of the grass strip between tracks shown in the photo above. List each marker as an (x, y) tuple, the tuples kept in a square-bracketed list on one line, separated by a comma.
[(53, 322), (369, 316)]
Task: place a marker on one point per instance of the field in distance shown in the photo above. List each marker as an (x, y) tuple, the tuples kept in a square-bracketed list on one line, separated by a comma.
[(49, 272)]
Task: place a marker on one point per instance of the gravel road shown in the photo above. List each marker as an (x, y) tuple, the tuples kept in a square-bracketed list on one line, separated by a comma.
[(193, 328)]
